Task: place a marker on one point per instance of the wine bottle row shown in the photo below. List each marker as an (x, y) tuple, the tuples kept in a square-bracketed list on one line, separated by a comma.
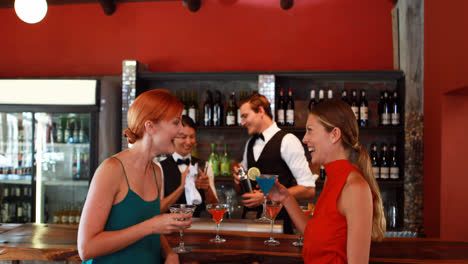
[(67, 214), (388, 106), (213, 113), (80, 165), (15, 205), (221, 165), (386, 165), (69, 129)]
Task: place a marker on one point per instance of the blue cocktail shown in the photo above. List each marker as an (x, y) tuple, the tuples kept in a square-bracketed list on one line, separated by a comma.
[(265, 182)]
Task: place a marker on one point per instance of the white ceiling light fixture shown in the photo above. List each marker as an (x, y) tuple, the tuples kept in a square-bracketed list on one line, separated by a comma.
[(31, 11)]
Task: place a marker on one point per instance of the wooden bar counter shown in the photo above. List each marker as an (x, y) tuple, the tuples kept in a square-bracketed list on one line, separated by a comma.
[(58, 243)]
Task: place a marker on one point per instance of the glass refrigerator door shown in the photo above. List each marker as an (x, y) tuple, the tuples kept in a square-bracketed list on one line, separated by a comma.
[(62, 166), (16, 167)]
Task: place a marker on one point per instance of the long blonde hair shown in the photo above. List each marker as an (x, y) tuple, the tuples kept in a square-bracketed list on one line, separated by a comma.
[(336, 113)]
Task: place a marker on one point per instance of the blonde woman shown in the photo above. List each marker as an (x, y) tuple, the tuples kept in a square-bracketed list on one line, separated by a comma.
[(349, 212)]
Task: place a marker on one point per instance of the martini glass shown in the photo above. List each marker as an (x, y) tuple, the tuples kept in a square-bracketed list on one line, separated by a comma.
[(272, 210), (182, 209), (265, 182), (300, 241), (217, 211)]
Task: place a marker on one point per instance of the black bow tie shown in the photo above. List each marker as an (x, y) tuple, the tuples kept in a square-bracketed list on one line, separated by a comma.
[(183, 161), (257, 136)]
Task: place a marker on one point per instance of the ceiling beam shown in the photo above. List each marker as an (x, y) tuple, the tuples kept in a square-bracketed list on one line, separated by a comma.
[(108, 6)]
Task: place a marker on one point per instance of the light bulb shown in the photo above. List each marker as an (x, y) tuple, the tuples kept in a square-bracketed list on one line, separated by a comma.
[(31, 11)]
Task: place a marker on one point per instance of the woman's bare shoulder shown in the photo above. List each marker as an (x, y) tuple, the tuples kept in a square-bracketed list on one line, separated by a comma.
[(356, 185), (107, 171)]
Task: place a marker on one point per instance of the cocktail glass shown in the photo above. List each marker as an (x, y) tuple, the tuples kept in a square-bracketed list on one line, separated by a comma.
[(217, 211), (182, 209), (300, 241), (265, 182), (272, 210)]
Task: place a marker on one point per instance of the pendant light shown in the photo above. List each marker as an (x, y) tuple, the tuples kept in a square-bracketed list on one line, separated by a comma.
[(31, 11)]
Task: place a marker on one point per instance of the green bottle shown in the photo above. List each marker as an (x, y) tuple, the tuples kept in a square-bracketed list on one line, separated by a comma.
[(225, 163), (214, 160)]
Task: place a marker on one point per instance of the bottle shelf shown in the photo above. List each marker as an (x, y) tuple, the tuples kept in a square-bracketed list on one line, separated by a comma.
[(382, 183), (364, 130)]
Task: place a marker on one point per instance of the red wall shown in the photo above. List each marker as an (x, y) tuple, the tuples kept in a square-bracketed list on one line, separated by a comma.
[(445, 119), (224, 35)]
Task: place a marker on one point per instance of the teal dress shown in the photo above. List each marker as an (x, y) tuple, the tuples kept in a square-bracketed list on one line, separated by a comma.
[(131, 211)]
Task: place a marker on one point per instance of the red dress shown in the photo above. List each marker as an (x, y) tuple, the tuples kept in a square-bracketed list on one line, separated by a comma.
[(326, 232)]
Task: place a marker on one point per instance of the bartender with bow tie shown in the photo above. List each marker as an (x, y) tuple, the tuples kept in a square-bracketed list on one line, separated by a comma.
[(273, 151), (181, 183)]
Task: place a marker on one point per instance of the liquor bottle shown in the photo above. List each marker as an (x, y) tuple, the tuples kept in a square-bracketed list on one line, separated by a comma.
[(312, 101), (27, 203), (321, 96), (323, 175), (5, 205), (384, 164), (57, 219), (68, 132), (184, 102), (19, 206), (344, 97), (330, 94), (231, 111), (394, 169), (244, 181), (392, 213), (76, 165), (225, 163), (280, 119), (76, 130), (380, 106), (217, 109), (193, 108), (83, 138), (78, 215), (395, 112), (385, 117), (64, 215), (214, 160), (355, 104), (60, 136), (84, 163), (290, 109), (239, 119), (12, 205), (363, 110), (208, 110), (375, 161)]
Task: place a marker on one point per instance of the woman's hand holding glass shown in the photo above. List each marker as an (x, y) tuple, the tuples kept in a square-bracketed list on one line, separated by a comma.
[(278, 192), (183, 213), (167, 223)]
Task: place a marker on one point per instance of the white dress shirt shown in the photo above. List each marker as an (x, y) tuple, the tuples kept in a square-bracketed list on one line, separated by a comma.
[(182, 167), (292, 152)]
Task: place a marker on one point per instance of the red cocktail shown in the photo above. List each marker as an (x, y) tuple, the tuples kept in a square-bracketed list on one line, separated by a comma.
[(217, 211)]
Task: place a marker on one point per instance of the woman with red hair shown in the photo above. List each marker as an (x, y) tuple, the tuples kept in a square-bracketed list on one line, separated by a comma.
[(121, 220)]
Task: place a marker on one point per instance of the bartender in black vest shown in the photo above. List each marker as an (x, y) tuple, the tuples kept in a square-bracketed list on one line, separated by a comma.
[(273, 151), (177, 165)]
